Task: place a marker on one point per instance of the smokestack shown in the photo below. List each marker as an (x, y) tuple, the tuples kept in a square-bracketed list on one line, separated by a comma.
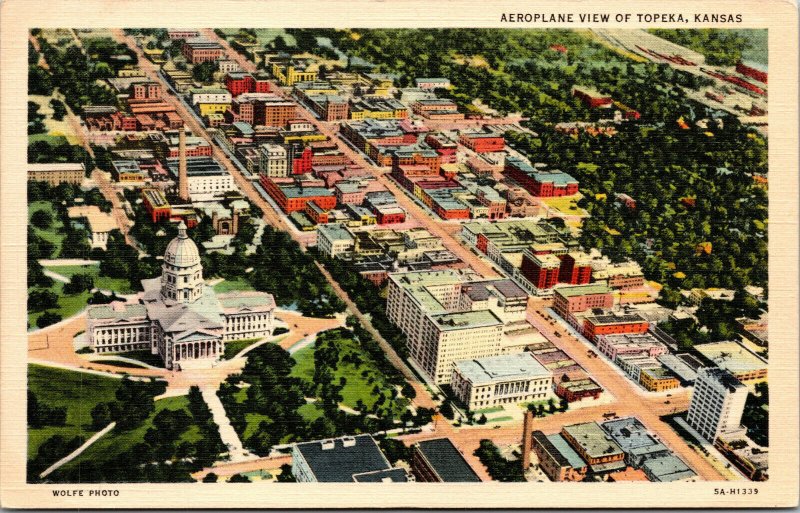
[(527, 440), (183, 176)]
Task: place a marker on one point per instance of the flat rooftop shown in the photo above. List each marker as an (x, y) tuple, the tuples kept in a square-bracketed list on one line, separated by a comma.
[(447, 461), (559, 449), (466, 320), (341, 459), (731, 356), (582, 290), (501, 368), (593, 439)]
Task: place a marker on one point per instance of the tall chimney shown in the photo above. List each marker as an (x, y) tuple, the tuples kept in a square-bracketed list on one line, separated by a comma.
[(183, 180), (527, 440)]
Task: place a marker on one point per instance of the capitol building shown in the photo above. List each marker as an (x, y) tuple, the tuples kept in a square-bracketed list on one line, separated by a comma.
[(178, 316)]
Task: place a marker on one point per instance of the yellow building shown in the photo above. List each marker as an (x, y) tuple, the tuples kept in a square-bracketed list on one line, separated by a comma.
[(288, 75), (305, 137), (212, 108), (658, 380)]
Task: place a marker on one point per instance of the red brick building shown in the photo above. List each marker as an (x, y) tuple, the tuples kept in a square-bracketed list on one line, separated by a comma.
[(156, 205), (292, 198), (613, 324), (425, 157), (579, 298), (481, 142), (237, 83), (541, 270), (540, 183), (591, 98), (446, 149), (146, 91), (575, 269), (199, 51), (302, 163)]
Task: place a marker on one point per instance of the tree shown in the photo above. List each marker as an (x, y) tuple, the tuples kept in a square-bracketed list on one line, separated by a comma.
[(210, 478), (78, 283), (42, 219), (204, 72), (101, 416), (239, 478), (59, 109), (286, 475), (48, 318), (482, 419), (41, 300), (447, 410), (408, 391)]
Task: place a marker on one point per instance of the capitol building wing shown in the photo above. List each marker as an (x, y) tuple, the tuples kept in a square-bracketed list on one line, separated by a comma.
[(178, 316)]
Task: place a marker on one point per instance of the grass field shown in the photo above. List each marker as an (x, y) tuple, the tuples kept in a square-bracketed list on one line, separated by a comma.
[(143, 356), (232, 285), (233, 347), (310, 412), (358, 386), (112, 445), (70, 304), (119, 285), (78, 391), (566, 205), (53, 233)]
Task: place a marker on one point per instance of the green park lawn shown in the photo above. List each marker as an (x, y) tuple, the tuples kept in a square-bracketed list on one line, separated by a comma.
[(310, 412), (70, 304), (233, 347), (79, 392), (109, 447), (53, 233), (232, 285), (144, 356), (119, 285), (358, 386)]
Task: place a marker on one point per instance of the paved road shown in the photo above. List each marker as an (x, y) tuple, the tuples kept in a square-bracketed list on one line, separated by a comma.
[(631, 400), (271, 216), (422, 216), (229, 437), (423, 398)]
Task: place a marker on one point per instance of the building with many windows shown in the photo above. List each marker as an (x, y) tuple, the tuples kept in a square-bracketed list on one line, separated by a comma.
[(506, 379), (717, 403), (178, 316), (439, 461), (344, 460)]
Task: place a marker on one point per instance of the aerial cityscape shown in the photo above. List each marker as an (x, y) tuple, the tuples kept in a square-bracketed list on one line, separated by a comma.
[(397, 255)]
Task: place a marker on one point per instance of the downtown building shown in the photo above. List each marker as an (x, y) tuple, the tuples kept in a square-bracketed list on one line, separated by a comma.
[(447, 316), (717, 403)]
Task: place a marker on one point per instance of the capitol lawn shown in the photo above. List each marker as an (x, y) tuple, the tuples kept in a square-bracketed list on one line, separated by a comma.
[(356, 366), (79, 392), (113, 444)]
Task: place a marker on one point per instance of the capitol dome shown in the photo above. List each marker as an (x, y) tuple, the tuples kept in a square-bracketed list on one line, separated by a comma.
[(182, 251)]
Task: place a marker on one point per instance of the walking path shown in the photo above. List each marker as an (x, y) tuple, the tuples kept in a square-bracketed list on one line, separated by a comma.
[(77, 452), (66, 261), (56, 276), (228, 435)]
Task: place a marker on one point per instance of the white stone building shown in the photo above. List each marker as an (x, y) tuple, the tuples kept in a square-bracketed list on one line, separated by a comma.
[(178, 316), (717, 403), (506, 379), (274, 162)]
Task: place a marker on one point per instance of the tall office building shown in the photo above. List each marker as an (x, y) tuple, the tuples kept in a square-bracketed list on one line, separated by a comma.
[(717, 403)]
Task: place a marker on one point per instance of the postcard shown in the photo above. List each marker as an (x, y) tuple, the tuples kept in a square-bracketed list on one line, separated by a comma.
[(321, 255)]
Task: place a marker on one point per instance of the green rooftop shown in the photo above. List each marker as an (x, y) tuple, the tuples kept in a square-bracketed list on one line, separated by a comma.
[(466, 320), (581, 290)]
